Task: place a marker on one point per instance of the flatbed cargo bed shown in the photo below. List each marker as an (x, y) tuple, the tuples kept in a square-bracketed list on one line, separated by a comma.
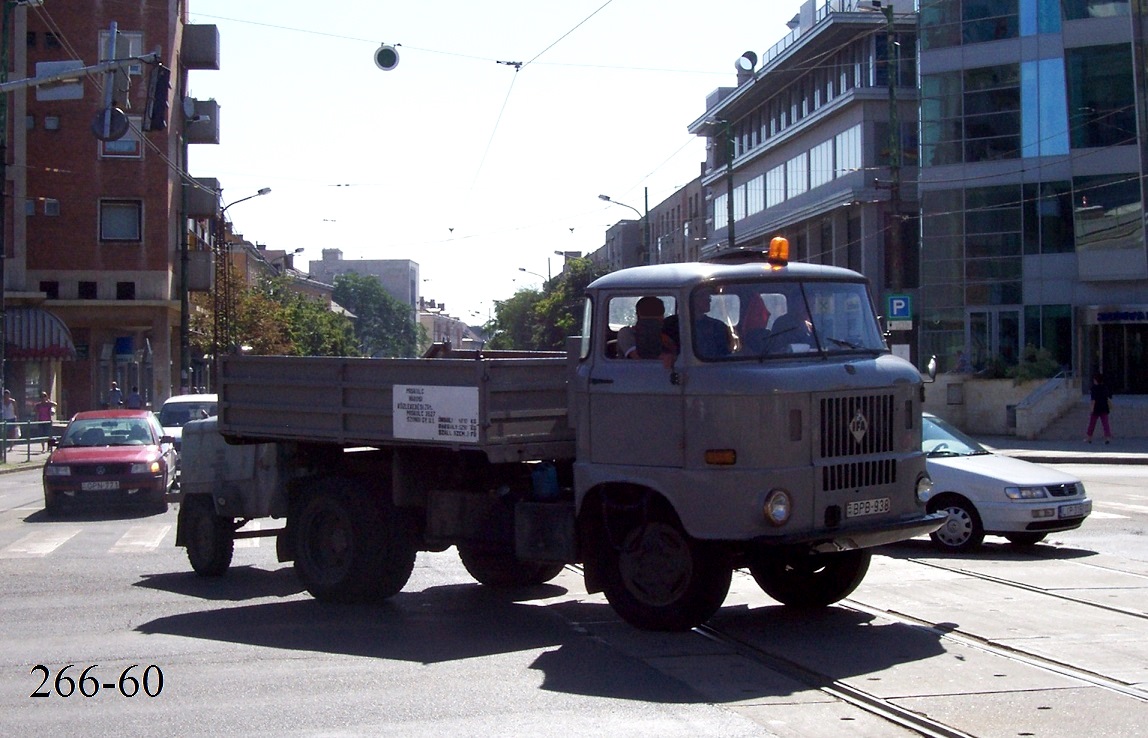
[(511, 409)]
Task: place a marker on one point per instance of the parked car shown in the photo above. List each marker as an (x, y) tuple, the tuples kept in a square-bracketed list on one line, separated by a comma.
[(109, 457), (178, 410), (985, 493)]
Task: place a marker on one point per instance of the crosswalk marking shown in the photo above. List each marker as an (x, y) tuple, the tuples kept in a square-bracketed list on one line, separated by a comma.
[(141, 538), (38, 544)]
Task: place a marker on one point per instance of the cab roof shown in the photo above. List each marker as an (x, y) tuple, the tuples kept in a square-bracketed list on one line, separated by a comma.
[(688, 275)]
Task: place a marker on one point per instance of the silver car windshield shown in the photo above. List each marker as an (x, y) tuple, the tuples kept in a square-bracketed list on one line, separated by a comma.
[(771, 319), (938, 438)]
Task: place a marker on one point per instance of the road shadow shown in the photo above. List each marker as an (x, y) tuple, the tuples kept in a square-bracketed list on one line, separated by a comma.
[(586, 649), (241, 583), (998, 549)]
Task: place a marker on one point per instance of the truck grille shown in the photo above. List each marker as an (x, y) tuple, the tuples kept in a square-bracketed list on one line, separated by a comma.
[(856, 426), (858, 474)]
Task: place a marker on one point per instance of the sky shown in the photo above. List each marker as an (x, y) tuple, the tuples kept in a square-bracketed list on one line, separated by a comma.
[(484, 151)]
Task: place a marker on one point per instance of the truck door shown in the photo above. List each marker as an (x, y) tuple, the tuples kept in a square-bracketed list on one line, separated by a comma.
[(636, 406)]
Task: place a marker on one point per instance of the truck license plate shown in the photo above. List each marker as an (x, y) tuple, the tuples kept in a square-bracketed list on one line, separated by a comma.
[(98, 486), (867, 507)]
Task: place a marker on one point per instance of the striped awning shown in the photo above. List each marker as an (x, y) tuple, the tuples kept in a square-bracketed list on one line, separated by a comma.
[(31, 334)]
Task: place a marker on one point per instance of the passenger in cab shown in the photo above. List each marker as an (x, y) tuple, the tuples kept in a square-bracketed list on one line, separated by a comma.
[(647, 338)]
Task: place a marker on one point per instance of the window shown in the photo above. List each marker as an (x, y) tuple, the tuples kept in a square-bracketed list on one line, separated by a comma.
[(1044, 109), (51, 122), (821, 164), (51, 41), (128, 44), (51, 207), (120, 220), (775, 186), (51, 289), (125, 290), (797, 175), (992, 113), (1102, 105), (848, 144), (1048, 218), (86, 291), (128, 146), (1076, 9), (755, 195)]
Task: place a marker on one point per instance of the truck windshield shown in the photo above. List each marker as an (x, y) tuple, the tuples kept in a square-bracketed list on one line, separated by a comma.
[(757, 320)]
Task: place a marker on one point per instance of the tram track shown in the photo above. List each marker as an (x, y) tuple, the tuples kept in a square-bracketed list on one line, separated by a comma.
[(1034, 589)]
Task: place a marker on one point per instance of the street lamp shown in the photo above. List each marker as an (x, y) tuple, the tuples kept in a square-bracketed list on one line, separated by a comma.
[(645, 219), (221, 339), (536, 274)]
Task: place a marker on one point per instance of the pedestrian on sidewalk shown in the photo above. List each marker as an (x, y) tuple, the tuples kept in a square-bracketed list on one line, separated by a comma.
[(45, 409), (1101, 406)]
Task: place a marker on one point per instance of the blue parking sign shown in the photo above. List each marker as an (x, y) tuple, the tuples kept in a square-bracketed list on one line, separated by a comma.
[(900, 307)]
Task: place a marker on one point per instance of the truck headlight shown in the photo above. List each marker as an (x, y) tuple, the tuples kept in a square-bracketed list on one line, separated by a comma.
[(924, 488), (778, 507)]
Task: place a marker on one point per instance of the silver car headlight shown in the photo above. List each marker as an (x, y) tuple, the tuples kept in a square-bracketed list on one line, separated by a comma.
[(1025, 493)]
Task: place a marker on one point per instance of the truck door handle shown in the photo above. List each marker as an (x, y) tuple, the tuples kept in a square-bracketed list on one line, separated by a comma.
[(594, 380)]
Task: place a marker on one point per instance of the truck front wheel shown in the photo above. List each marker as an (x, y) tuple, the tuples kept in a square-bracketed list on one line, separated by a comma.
[(499, 569), (659, 578), (210, 540), (351, 547), (801, 579)]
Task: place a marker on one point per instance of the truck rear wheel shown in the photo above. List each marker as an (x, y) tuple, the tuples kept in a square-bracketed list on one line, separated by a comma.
[(802, 579), (660, 578), (500, 569), (209, 538), (351, 547)]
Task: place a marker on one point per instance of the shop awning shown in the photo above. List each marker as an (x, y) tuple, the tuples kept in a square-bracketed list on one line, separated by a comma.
[(32, 334)]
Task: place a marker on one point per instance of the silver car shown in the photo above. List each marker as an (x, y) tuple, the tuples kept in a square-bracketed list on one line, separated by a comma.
[(984, 493), (181, 409)]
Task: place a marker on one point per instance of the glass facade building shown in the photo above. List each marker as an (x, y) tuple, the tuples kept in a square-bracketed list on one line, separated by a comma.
[(1032, 157)]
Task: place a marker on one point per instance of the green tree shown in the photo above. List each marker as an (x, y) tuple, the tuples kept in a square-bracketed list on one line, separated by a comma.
[(513, 325), (383, 326), (532, 320)]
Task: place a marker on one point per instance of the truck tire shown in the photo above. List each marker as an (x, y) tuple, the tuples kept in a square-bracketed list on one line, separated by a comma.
[(351, 547), (659, 578), (500, 569), (209, 537), (800, 579)]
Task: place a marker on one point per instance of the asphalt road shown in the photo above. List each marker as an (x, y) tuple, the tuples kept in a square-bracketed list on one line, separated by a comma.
[(1052, 642)]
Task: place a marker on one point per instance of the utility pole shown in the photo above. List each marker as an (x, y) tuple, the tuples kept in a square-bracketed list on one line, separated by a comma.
[(729, 149), (895, 257)]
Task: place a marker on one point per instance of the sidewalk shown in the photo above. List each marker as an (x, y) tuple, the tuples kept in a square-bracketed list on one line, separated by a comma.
[(1119, 451)]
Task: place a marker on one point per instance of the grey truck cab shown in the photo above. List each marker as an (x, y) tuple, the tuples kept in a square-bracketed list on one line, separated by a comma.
[(770, 428)]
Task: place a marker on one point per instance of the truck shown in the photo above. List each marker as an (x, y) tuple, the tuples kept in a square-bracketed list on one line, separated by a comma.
[(771, 429)]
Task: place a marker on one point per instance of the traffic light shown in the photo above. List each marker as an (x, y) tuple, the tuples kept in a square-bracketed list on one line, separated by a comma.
[(155, 116)]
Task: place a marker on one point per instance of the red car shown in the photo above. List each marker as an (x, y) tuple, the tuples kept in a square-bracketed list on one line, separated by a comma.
[(110, 457)]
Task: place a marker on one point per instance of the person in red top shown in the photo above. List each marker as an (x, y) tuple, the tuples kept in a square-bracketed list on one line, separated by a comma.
[(45, 409)]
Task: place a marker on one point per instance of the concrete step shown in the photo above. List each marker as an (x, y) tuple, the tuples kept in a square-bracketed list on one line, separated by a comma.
[(1129, 419)]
